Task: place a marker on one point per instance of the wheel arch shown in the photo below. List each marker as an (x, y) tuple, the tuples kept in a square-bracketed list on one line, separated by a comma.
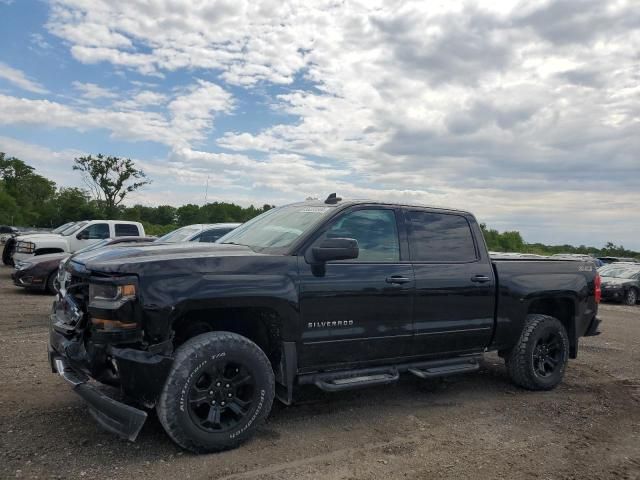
[(562, 308), (261, 324)]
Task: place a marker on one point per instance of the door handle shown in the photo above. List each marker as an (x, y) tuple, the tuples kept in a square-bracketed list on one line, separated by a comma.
[(398, 279), (480, 279)]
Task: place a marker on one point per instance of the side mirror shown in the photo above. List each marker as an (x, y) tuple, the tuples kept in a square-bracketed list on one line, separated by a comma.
[(84, 235), (336, 249)]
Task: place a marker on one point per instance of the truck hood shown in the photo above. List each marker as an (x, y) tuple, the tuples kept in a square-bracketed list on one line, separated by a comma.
[(40, 237), (172, 256)]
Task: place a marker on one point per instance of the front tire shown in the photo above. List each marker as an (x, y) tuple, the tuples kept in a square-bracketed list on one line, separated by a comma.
[(52, 281), (219, 390), (631, 297), (539, 359)]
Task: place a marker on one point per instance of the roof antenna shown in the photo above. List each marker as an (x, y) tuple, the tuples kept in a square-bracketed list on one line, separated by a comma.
[(332, 199)]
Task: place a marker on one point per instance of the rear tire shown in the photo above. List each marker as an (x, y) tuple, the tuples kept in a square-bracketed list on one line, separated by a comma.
[(631, 297), (219, 390), (539, 359)]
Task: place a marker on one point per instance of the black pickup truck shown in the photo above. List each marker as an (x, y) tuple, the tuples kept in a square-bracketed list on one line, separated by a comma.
[(338, 294)]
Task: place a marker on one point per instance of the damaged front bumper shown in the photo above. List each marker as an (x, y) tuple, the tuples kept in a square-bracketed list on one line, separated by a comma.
[(139, 374), (116, 417)]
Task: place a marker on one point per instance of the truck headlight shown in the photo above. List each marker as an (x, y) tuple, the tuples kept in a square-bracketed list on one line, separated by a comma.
[(109, 296), (25, 247), (105, 300)]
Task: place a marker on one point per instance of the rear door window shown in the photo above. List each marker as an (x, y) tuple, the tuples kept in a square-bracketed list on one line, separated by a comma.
[(126, 230), (439, 237)]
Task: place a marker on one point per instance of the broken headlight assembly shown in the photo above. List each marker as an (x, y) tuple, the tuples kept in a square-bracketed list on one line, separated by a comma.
[(107, 297), (110, 296)]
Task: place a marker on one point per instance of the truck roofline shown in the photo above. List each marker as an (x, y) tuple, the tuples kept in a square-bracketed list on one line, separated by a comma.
[(352, 202)]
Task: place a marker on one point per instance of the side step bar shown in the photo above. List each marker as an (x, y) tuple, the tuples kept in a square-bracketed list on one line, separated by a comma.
[(444, 370), (340, 380)]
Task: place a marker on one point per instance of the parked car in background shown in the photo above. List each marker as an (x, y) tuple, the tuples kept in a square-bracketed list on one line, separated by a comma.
[(503, 255), (74, 238), (618, 259), (41, 272), (621, 283), (7, 232), (199, 232), (578, 256), (10, 242)]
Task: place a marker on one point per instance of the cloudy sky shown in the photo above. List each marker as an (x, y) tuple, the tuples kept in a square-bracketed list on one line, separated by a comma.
[(527, 114)]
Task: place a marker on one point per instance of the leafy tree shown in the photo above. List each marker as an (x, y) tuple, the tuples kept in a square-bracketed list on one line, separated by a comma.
[(164, 215), (9, 211), (29, 190), (110, 178), (189, 214)]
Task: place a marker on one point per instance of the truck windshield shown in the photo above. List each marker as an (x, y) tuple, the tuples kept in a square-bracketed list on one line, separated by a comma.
[(277, 228), (62, 228), (180, 235), (73, 228)]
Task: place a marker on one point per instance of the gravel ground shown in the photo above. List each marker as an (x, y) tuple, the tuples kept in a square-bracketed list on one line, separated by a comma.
[(472, 426)]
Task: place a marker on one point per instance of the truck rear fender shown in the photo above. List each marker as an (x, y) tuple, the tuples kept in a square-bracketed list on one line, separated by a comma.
[(548, 293), (562, 308)]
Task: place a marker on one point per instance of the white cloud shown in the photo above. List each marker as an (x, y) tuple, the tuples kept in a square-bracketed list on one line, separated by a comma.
[(192, 113), (54, 164), (188, 119), (141, 99), (91, 91), (516, 111), (19, 79)]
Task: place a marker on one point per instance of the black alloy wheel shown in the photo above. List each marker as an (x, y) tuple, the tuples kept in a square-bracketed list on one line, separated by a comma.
[(219, 390), (548, 354), (221, 396), (539, 359)]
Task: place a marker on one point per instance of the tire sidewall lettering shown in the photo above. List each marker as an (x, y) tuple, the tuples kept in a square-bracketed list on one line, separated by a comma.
[(253, 417)]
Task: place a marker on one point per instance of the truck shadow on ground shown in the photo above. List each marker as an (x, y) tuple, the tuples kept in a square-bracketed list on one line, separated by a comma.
[(409, 393)]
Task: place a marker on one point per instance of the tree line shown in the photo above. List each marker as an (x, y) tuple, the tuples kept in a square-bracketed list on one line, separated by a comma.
[(512, 241), (29, 199)]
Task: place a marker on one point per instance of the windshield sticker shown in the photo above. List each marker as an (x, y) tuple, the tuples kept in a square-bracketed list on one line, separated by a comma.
[(315, 209)]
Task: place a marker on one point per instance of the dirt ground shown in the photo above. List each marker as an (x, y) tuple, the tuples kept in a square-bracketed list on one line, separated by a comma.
[(472, 426)]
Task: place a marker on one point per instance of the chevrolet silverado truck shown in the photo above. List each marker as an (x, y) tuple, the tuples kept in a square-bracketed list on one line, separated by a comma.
[(336, 294)]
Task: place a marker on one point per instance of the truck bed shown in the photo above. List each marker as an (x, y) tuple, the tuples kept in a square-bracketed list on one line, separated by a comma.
[(535, 285)]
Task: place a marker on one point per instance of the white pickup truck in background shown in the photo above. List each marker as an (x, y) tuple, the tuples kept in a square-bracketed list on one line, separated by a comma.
[(75, 237)]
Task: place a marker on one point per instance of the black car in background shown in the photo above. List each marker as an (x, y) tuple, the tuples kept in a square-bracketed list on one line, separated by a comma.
[(621, 282)]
